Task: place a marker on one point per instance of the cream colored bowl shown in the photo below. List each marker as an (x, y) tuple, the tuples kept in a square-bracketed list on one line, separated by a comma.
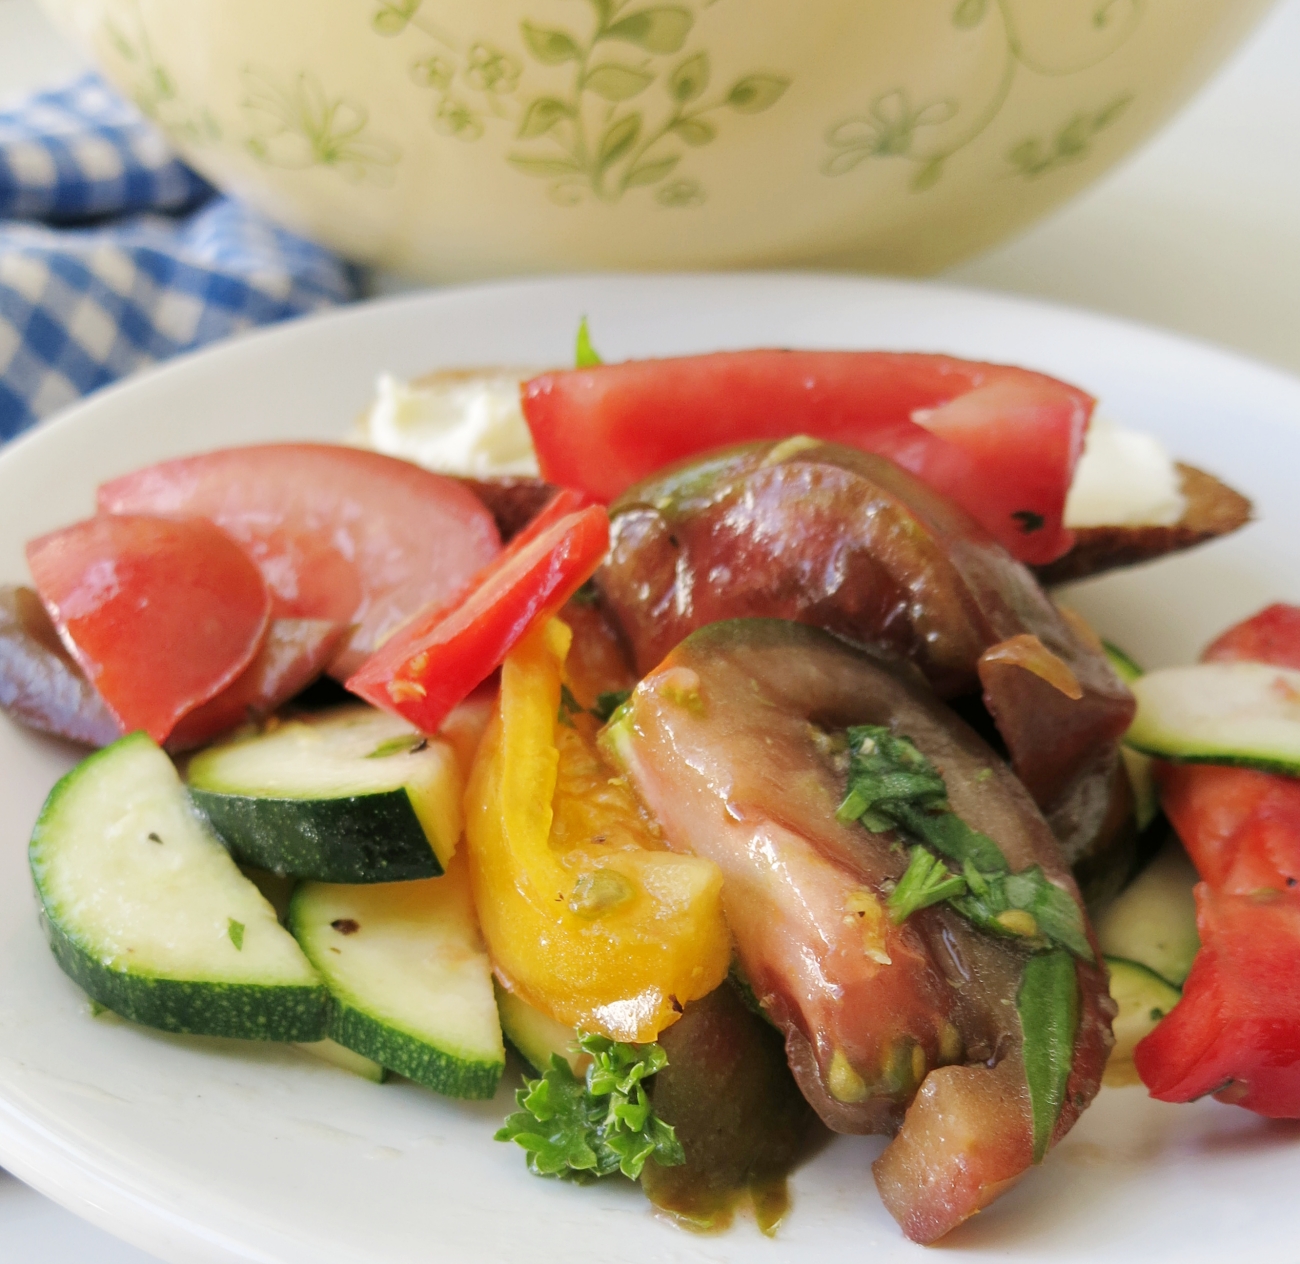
[(466, 138)]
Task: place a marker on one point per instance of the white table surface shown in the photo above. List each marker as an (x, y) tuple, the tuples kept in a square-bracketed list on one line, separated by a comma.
[(1198, 232)]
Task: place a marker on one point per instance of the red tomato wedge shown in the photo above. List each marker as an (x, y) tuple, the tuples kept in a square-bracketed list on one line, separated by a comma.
[(433, 662), (1271, 636), (1236, 1031), (294, 653), (340, 534), (161, 614), (1241, 828), (1001, 442)]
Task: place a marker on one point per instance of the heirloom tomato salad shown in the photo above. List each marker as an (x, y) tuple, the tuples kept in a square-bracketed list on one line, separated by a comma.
[(707, 730)]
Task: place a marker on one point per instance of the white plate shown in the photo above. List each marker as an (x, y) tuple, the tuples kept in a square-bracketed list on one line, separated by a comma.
[(201, 1150)]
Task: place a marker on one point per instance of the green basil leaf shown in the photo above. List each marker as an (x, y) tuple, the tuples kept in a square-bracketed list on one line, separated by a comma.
[(1048, 1004), (586, 356)]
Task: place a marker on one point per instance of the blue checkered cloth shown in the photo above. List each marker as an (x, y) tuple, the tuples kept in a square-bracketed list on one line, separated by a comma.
[(114, 254)]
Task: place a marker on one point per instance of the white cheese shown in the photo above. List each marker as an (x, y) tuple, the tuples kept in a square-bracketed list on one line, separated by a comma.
[(1123, 479), (467, 423)]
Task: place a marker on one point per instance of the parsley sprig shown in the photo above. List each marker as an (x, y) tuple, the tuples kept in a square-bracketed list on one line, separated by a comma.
[(583, 1129), (892, 785)]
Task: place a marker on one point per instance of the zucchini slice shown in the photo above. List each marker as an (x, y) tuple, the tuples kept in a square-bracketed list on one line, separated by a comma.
[(1125, 667), (1143, 997), (410, 978), (348, 795), (537, 1036), (1240, 713), (1146, 799), (337, 1055), (1153, 920), (145, 909)]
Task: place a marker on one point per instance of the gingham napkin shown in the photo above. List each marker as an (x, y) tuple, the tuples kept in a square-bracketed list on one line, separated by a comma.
[(113, 254)]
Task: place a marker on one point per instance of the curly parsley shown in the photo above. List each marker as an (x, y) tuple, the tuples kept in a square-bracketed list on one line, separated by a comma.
[(583, 1129)]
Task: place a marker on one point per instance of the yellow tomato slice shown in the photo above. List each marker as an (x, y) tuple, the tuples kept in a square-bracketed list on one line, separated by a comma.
[(584, 914)]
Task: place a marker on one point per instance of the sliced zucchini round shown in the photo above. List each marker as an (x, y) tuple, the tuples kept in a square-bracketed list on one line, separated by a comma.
[(349, 795), (537, 1036), (1146, 799), (1125, 667), (1247, 714), (338, 1055), (410, 978), (146, 910), (1153, 920), (1143, 997)]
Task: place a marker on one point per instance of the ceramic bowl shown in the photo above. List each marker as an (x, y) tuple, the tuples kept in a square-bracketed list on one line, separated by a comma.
[(454, 139)]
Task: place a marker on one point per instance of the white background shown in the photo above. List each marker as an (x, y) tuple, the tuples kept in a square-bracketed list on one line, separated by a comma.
[(1198, 232)]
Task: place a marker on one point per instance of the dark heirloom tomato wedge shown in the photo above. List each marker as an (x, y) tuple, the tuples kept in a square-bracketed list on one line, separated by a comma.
[(41, 684), (1001, 442), (43, 687), (339, 534), (849, 542), (736, 743), (161, 614)]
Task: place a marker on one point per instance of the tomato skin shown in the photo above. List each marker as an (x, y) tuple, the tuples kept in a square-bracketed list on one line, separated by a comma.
[(1240, 827), (435, 660), (1000, 442), (161, 614), (1236, 1032), (1271, 636), (339, 534), (293, 654)]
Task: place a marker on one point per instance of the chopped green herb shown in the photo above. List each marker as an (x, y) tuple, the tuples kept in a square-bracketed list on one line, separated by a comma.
[(569, 707), (926, 882), (892, 785), (585, 355), (1048, 1004), (1029, 520), (587, 595), (596, 1126), (402, 745), (236, 932), (608, 703)]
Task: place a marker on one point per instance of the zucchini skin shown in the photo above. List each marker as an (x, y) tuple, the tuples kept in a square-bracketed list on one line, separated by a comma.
[(244, 1011), (411, 1057), (361, 839)]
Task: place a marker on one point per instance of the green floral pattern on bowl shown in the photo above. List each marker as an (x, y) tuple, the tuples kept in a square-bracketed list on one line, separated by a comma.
[(456, 138)]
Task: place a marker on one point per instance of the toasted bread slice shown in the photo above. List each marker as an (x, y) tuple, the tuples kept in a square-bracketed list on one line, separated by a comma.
[(1213, 509)]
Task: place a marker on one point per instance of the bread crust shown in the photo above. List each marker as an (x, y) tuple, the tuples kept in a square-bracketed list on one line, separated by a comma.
[(1213, 509)]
